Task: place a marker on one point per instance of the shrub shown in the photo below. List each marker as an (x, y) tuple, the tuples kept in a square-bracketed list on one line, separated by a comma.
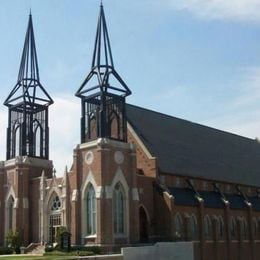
[(6, 250), (95, 249), (13, 241)]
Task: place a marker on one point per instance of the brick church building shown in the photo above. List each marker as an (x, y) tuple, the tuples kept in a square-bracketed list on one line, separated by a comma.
[(138, 176)]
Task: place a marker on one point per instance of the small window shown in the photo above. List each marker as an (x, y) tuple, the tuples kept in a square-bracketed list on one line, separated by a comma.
[(178, 182), (178, 226), (228, 188), (207, 226), (193, 227), (255, 228), (243, 229), (233, 227), (220, 227), (205, 185), (56, 204)]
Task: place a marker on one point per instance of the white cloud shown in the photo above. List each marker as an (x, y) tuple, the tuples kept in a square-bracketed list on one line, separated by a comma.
[(64, 130), (221, 9), (249, 88), (242, 114)]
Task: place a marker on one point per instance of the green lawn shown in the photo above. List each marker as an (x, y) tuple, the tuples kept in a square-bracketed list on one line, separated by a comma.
[(39, 257)]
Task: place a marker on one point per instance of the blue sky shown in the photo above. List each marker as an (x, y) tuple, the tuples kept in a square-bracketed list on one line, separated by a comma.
[(194, 59)]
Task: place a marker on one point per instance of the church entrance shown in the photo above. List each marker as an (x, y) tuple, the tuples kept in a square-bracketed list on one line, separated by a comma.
[(54, 225), (143, 222), (54, 219)]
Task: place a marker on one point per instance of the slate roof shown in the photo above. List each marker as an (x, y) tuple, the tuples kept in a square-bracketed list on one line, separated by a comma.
[(184, 196), (236, 201), (189, 149), (255, 203), (212, 199)]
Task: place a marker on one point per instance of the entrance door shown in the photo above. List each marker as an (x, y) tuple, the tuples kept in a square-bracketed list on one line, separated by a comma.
[(143, 222)]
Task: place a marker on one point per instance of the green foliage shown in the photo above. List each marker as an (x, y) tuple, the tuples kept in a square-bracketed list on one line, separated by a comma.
[(95, 249), (49, 249), (58, 234), (6, 250), (12, 239)]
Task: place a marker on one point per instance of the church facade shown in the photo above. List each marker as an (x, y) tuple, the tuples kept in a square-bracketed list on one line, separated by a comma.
[(138, 176)]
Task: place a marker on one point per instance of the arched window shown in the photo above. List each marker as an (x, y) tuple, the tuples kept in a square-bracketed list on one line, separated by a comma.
[(255, 228), (17, 139), (233, 227), (220, 227), (119, 209), (207, 226), (243, 228), (54, 216), (10, 213), (178, 226), (93, 128), (193, 227), (114, 125), (91, 210), (37, 138)]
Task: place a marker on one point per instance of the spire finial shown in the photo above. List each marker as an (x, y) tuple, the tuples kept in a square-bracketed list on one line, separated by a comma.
[(101, 3), (30, 12)]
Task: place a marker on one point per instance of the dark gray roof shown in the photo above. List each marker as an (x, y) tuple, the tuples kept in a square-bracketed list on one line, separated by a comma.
[(184, 196), (189, 149), (212, 199)]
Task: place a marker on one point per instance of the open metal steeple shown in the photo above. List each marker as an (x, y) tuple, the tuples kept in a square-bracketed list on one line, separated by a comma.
[(103, 76), (103, 92), (28, 131), (28, 88)]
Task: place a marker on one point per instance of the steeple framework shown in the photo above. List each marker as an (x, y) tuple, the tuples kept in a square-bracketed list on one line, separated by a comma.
[(28, 102), (103, 92)]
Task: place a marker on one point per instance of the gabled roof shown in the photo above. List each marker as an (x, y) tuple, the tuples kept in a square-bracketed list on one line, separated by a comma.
[(189, 149)]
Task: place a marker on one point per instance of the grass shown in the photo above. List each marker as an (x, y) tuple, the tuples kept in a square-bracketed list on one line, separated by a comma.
[(39, 257)]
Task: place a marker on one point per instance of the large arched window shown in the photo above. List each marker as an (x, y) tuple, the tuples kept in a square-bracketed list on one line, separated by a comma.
[(91, 210), (233, 227), (178, 223), (207, 226), (119, 209)]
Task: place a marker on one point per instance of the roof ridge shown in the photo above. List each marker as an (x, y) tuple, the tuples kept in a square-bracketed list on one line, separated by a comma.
[(194, 123)]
